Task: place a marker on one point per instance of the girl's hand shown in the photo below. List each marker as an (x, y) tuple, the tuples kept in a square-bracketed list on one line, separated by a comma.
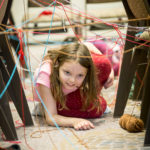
[(82, 124)]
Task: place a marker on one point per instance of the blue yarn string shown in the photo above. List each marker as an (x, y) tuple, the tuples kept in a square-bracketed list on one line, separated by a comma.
[(47, 40), (12, 74), (33, 81), (50, 115)]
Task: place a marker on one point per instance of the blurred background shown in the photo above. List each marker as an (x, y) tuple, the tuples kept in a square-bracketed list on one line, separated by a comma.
[(47, 24)]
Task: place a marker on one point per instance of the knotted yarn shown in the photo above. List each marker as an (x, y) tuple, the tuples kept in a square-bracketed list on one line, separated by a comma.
[(131, 123)]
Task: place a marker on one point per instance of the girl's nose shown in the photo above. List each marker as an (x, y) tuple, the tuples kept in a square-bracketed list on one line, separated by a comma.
[(72, 79)]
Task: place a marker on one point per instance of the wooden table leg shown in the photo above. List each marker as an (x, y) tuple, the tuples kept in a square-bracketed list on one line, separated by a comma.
[(6, 119), (18, 92)]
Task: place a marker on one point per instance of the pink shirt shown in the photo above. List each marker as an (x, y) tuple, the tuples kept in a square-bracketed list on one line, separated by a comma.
[(42, 76)]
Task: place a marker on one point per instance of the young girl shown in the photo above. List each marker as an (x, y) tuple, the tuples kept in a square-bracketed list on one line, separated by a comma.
[(70, 81)]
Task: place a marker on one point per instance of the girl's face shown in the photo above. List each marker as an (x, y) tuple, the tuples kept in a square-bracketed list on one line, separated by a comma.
[(72, 74)]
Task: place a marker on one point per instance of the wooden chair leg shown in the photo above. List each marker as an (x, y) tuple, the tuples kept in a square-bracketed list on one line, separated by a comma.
[(6, 119), (121, 99), (126, 79), (147, 135), (146, 98), (128, 68), (18, 92), (138, 78), (6, 77), (139, 75), (145, 108)]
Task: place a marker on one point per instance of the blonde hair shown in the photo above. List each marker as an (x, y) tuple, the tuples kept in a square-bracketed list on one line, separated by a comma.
[(90, 86)]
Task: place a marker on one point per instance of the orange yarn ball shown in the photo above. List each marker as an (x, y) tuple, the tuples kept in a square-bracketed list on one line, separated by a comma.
[(131, 123)]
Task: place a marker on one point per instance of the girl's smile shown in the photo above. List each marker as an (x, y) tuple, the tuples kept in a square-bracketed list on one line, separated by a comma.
[(72, 74)]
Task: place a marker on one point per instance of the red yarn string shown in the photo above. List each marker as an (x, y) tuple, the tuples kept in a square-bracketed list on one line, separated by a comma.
[(19, 124), (99, 20), (23, 118), (138, 39), (14, 142), (82, 14), (1, 4), (138, 77), (86, 16), (69, 21), (21, 53), (66, 16), (136, 42)]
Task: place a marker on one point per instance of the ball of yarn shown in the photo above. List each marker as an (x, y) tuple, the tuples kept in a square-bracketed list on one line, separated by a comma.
[(131, 123)]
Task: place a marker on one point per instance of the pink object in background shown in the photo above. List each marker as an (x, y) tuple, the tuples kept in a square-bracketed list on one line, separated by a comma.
[(111, 50)]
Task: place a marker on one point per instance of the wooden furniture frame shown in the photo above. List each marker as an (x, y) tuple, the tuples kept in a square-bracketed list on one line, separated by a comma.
[(129, 64), (15, 90)]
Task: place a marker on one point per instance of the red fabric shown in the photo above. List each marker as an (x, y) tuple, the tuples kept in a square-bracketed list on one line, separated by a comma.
[(74, 102), (103, 65)]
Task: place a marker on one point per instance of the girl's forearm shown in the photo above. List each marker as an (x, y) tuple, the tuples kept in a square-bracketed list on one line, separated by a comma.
[(61, 121), (76, 123)]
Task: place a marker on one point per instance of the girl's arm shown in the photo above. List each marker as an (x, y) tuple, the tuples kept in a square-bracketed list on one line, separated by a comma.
[(50, 103)]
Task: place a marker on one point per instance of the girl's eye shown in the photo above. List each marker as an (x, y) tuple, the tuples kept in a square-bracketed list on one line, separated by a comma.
[(67, 72), (80, 75)]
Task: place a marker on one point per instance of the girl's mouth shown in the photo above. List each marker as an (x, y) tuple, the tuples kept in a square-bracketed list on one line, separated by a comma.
[(70, 85)]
